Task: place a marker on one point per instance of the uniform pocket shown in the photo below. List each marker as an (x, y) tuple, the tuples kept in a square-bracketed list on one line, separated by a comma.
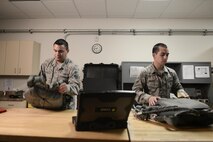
[(170, 82), (153, 84)]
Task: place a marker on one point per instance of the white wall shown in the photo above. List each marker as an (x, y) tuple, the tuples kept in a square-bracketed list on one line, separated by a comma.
[(116, 48)]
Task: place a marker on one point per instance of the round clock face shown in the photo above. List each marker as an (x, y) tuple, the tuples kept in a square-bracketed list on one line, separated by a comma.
[(96, 48)]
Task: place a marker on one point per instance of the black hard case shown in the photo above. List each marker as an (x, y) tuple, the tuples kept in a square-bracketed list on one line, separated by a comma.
[(100, 77)]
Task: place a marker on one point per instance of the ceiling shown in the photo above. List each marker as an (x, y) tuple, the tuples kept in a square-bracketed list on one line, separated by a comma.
[(133, 9)]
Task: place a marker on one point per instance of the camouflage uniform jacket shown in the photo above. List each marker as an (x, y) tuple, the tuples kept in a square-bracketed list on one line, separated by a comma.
[(152, 82), (66, 72)]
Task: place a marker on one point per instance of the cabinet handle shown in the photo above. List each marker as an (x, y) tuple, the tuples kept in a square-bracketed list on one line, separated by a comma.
[(10, 104), (14, 70)]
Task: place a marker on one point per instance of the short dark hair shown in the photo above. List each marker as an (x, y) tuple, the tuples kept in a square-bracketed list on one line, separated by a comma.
[(155, 49), (62, 42)]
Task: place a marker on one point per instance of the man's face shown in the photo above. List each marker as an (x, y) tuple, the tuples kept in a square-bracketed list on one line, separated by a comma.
[(60, 52), (161, 56)]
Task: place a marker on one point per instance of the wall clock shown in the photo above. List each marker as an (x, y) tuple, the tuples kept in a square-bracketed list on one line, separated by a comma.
[(96, 48)]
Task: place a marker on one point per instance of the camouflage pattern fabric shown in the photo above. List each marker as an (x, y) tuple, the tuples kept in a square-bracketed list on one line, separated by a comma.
[(155, 83), (66, 72), (42, 92)]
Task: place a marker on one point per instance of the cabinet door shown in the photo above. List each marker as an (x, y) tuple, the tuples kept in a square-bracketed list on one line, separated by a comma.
[(12, 58), (13, 104), (2, 56), (25, 58)]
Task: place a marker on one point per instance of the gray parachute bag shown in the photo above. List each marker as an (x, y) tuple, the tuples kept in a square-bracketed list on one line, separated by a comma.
[(176, 112), (41, 95)]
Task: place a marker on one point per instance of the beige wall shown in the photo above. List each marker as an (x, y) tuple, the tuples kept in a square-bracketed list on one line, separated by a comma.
[(116, 48)]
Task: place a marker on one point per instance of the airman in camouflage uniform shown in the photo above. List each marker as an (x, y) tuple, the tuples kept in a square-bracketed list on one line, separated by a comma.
[(61, 78), (156, 80), (66, 72)]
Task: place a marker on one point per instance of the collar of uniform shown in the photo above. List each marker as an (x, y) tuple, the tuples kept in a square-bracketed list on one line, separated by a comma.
[(155, 71), (54, 63)]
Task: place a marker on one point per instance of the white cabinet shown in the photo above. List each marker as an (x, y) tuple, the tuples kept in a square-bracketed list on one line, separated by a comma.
[(2, 56), (29, 58), (22, 58), (11, 60)]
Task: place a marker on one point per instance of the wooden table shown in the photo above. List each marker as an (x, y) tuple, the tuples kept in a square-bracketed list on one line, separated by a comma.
[(151, 131), (39, 125)]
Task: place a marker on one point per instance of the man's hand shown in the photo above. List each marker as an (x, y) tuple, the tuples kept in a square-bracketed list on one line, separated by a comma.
[(182, 94), (153, 100), (63, 88)]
